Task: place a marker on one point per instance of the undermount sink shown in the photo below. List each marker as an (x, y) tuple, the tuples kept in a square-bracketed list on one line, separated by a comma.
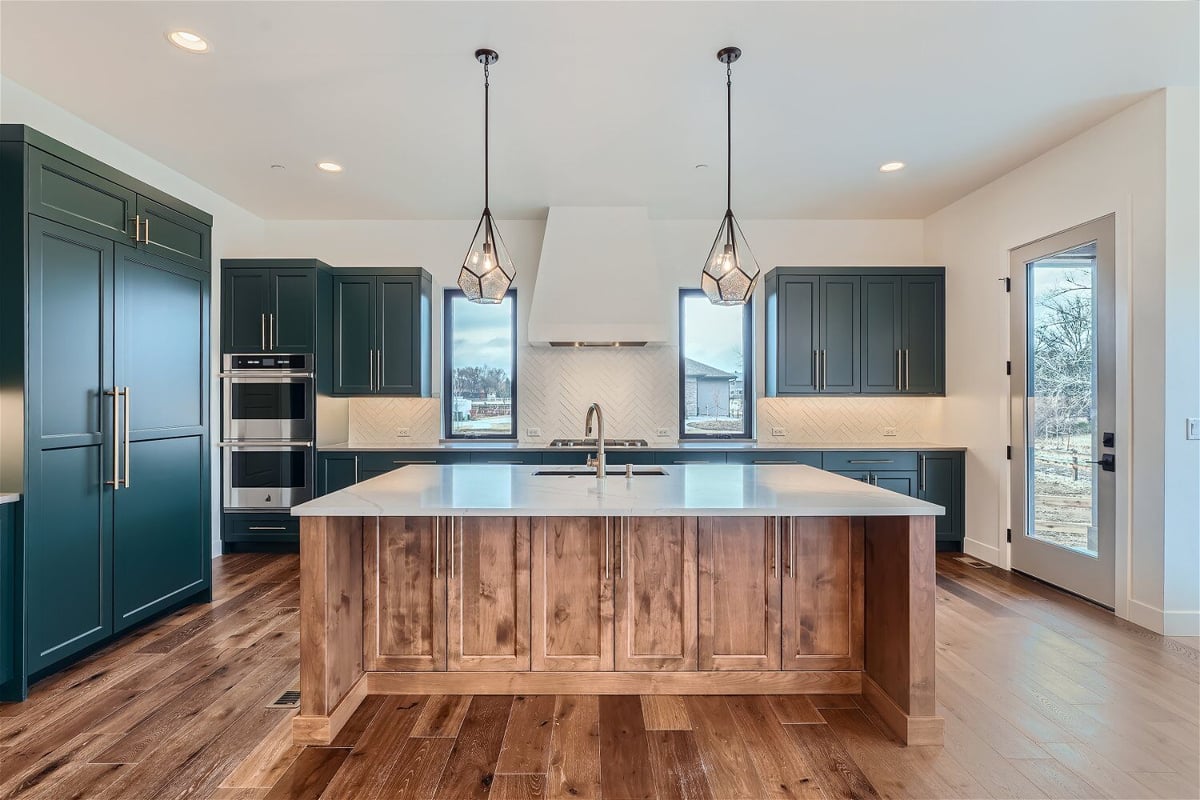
[(584, 472)]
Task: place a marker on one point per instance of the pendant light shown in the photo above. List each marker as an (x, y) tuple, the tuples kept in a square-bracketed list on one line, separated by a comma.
[(730, 273), (487, 271)]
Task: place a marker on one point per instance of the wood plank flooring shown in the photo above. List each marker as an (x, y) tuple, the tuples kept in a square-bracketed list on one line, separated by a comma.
[(1043, 695)]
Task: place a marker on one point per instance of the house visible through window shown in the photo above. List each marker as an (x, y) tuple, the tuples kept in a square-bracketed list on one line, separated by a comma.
[(479, 398), (716, 391)]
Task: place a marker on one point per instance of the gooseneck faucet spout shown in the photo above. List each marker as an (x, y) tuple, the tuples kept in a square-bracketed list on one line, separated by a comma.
[(598, 461)]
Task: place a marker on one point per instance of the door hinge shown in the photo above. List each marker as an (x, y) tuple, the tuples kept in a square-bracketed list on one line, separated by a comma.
[(1008, 368), (1007, 284), (1010, 534), (1008, 452)]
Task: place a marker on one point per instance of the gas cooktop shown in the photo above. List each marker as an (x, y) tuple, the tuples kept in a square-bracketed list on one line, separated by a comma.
[(592, 443)]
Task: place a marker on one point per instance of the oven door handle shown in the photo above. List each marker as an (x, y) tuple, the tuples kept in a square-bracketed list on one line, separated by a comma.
[(280, 377), (259, 444)]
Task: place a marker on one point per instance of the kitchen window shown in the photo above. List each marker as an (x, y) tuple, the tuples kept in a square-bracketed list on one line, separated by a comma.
[(479, 396), (716, 386)]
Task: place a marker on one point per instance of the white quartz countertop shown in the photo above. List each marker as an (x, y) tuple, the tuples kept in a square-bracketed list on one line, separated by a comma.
[(685, 490), (11, 497), (718, 445)]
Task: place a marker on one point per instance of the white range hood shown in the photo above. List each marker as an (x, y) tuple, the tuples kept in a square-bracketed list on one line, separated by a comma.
[(598, 282)]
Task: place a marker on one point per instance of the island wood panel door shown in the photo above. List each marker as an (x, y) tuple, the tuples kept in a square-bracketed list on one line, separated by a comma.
[(823, 593), (655, 593), (489, 594), (739, 593), (404, 594), (572, 594)]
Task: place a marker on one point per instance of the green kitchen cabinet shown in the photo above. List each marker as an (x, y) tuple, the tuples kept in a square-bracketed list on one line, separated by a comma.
[(382, 332), (861, 330), (942, 480), (923, 307), (11, 684), (336, 471), (260, 529), (161, 535), (882, 334), (270, 305), (105, 325)]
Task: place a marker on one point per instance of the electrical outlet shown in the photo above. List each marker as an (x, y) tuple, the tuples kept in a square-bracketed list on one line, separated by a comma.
[(533, 433), (1193, 428), (889, 431), (663, 433), (779, 431), (403, 433)]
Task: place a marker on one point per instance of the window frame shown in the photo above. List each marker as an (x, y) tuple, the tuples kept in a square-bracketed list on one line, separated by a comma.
[(748, 395), (447, 380)]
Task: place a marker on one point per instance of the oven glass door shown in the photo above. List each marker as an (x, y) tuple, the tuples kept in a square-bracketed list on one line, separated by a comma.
[(266, 477), (268, 408)]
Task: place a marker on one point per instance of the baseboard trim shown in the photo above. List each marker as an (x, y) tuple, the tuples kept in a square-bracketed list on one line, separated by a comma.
[(984, 552), (913, 731), (1181, 623), (318, 730), (679, 683), (1147, 616)]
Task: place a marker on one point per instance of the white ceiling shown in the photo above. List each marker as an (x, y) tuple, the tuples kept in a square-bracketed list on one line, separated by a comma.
[(597, 103)]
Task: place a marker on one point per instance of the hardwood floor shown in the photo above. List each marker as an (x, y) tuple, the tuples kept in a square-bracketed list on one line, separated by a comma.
[(1043, 696)]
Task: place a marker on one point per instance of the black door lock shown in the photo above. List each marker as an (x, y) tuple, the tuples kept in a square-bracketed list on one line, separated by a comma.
[(1107, 462), (1107, 439)]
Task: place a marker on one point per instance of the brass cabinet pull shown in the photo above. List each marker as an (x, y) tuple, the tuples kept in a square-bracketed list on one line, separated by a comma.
[(371, 368), (899, 368), (262, 331), (146, 231), (137, 228), (271, 332), (126, 437), (116, 451), (907, 382)]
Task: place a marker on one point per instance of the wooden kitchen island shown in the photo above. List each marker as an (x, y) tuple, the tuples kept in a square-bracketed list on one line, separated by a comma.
[(701, 579)]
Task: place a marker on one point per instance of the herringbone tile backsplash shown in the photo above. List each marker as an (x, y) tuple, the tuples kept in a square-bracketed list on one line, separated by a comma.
[(639, 391)]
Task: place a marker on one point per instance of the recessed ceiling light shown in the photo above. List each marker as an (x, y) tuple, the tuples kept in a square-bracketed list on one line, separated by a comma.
[(892, 166), (329, 166), (186, 40)]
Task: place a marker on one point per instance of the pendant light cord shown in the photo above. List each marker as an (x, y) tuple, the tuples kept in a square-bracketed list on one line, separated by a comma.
[(728, 137), (486, 118)]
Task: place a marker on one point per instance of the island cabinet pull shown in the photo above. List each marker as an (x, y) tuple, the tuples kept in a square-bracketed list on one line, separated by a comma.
[(621, 547), (115, 394), (126, 437), (450, 547), (437, 547), (775, 547), (607, 552)]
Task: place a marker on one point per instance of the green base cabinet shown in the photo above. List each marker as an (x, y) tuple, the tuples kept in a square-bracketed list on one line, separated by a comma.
[(112, 369), (942, 480)]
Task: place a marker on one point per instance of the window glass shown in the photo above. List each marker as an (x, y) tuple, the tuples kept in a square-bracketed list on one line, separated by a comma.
[(716, 391), (479, 397)]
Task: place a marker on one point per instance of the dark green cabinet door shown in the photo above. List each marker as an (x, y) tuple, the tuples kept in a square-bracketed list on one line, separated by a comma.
[(881, 334), (839, 334), (354, 362), (797, 335), (294, 306), (336, 471), (246, 301), (63, 192), (161, 534), (904, 483), (168, 233), (397, 337), (68, 548), (923, 313), (10, 687), (941, 482)]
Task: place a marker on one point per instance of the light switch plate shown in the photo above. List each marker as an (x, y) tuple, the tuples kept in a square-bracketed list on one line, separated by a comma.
[(533, 433), (403, 433), (779, 431), (1193, 428), (889, 431)]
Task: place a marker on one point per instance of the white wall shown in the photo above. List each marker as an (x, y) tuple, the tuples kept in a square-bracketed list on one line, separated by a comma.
[(1119, 167), (234, 228)]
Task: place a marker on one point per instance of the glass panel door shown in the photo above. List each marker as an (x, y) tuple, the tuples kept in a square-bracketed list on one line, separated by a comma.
[(1063, 454)]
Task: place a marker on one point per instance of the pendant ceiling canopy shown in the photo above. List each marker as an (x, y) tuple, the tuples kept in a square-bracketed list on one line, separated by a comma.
[(731, 272), (487, 271)]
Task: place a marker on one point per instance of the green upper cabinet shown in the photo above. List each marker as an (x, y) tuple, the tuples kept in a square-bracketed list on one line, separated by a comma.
[(382, 332), (269, 305), (170, 234), (865, 330), (882, 351), (66, 193), (923, 309)]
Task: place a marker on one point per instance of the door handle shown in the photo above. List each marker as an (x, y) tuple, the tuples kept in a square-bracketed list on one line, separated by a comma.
[(126, 437), (1107, 462), (116, 450)]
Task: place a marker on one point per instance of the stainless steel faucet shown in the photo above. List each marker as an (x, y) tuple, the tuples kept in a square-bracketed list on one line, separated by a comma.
[(597, 461)]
